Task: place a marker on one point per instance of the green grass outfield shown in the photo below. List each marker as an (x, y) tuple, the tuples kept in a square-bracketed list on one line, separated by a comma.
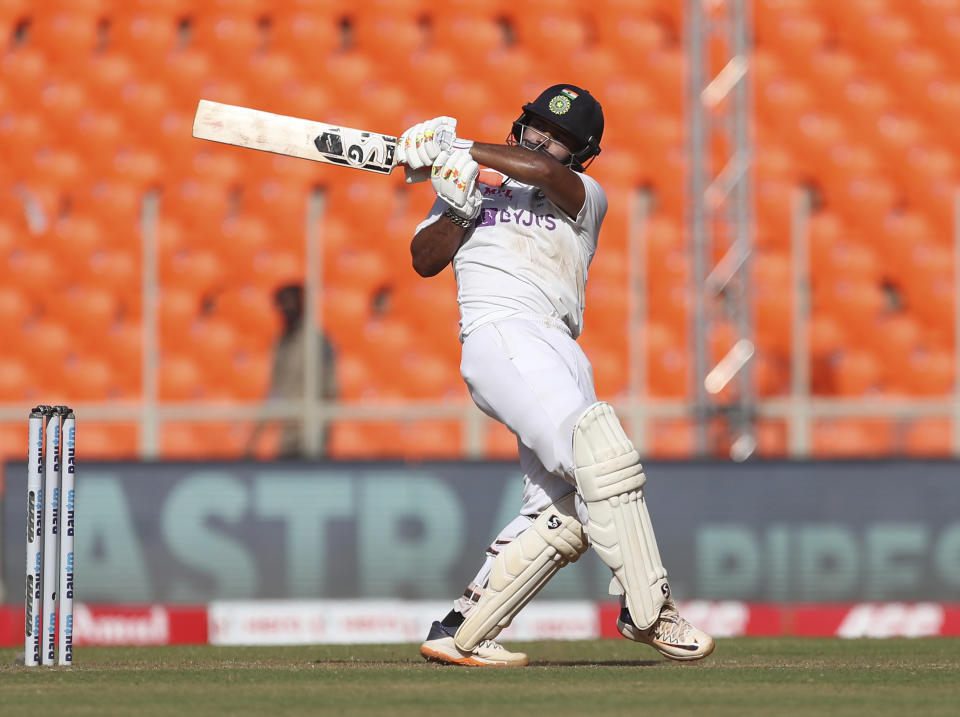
[(782, 677)]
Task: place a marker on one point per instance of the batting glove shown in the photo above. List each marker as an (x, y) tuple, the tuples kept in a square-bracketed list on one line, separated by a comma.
[(454, 178), (420, 145)]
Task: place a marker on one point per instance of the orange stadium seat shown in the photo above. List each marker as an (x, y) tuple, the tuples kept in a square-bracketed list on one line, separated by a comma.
[(22, 135), (630, 36), (97, 136), (89, 312), (111, 202), (932, 372), (345, 309), (771, 373), (797, 36), (114, 440), (48, 345), (305, 35), (18, 378), (145, 36), (61, 101), (365, 267), (105, 74), (499, 442), (772, 300), (857, 372), (89, 378), (856, 303), (247, 377), (430, 376), (473, 33), (354, 374), (177, 310), (124, 348), (941, 28), (667, 68), (670, 439), (196, 269), (667, 361), (771, 437), (553, 35), (186, 70), (143, 103), (231, 37), (345, 74), (238, 244), (13, 441), (180, 379), (271, 268), (495, 8), (114, 268), (203, 441), (66, 38), (16, 307), (266, 74), (62, 167), (897, 337), (928, 438), (845, 259), (879, 36), (610, 378), (250, 310), (389, 37), (832, 70), (198, 204), (30, 268), (853, 438), (77, 238), (775, 201), (436, 439), (25, 72), (281, 203), (364, 440)]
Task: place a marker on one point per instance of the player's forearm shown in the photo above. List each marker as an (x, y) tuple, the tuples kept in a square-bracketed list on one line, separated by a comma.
[(524, 165), (434, 246), (559, 183)]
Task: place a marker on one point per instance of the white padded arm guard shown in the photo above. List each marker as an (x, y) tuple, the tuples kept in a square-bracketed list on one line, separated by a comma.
[(521, 569), (610, 479)]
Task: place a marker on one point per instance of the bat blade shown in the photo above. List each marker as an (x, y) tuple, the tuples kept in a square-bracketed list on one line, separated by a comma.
[(306, 139), (295, 137)]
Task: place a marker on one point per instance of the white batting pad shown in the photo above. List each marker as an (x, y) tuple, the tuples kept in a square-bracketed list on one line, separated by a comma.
[(610, 479), (521, 569)]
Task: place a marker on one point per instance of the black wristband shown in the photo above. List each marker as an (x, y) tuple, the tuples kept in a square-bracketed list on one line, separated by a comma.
[(457, 219)]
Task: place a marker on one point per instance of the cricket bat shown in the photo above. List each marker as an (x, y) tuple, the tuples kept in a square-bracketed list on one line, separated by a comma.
[(317, 141)]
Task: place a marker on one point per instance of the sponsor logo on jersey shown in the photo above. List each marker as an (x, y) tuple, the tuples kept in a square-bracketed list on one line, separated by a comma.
[(522, 217)]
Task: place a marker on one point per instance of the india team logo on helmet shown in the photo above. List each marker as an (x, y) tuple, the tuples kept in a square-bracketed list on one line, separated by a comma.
[(560, 104)]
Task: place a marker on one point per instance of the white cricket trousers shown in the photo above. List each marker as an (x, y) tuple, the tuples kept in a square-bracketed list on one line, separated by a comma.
[(536, 380)]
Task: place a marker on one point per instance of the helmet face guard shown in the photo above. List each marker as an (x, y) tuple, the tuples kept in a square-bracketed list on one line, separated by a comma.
[(573, 110)]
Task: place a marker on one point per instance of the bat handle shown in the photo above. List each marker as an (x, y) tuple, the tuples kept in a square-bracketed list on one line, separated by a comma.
[(487, 176)]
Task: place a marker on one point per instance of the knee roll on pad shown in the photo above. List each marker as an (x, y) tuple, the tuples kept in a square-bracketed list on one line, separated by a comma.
[(610, 480), (522, 568)]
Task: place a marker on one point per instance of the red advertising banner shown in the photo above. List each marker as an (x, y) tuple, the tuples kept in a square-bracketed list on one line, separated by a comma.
[(284, 623)]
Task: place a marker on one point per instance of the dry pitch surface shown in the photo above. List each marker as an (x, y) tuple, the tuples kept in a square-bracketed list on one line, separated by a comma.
[(783, 677)]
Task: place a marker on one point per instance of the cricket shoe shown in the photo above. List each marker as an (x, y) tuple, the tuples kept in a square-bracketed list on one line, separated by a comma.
[(440, 647), (670, 635)]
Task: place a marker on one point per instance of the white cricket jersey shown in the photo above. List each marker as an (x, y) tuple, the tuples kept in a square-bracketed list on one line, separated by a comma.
[(525, 257)]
